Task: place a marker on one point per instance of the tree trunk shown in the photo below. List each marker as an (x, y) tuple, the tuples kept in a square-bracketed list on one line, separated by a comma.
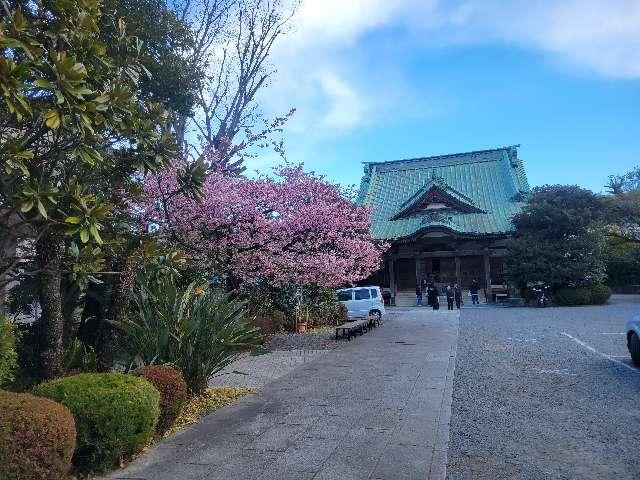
[(117, 310), (73, 307), (49, 252)]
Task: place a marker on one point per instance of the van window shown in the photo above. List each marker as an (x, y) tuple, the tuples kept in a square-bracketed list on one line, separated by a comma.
[(374, 293), (362, 294), (344, 295)]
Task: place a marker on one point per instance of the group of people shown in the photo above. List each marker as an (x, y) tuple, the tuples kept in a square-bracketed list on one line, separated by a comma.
[(452, 292)]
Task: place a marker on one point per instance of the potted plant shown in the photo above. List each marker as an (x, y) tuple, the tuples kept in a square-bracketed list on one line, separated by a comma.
[(302, 320)]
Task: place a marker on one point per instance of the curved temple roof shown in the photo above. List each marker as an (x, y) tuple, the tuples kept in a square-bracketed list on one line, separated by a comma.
[(474, 193)]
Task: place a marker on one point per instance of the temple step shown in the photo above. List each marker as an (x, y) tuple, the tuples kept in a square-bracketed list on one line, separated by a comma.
[(407, 298)]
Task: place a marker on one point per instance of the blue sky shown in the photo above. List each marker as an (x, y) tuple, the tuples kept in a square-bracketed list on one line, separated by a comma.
[(376, 80)]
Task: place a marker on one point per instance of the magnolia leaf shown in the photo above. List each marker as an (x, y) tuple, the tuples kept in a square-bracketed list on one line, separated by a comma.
[(44, 83), (41, 209), (84, 235), (96, 235), (26, 206), (52, 119), (73, 220)]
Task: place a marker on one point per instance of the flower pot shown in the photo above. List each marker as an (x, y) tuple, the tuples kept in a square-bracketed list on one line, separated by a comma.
[(301, 327)]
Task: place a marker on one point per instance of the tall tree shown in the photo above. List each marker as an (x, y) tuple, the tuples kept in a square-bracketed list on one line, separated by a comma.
[(558, 239), (232, 41), (74, 129)]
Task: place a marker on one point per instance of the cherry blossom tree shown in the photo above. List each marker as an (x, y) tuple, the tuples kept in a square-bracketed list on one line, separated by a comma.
[(293, 226)]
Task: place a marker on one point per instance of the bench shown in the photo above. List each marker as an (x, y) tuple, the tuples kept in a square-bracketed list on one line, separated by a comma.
[(360, 326), (349, 329)]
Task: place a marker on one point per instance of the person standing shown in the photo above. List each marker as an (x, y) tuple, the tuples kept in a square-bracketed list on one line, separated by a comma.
[(474, 292), (418, 295), (457, 294), (450, 296), (433, 297)]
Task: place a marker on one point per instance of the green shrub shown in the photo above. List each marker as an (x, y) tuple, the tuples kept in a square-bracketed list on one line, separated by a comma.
[(115, 415), (588, 295), (37, 438), (599, 294), (572, 296), (199, 331), (8, 355), (173, 392)]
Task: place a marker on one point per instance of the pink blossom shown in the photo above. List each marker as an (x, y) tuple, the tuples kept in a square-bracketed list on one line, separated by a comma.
[(293, 227)]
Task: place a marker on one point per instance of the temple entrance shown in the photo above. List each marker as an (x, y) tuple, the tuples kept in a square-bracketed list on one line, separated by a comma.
[(406, 274)]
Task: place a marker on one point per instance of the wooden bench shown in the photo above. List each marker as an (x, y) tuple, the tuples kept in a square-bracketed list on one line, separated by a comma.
[(349, 329), (360, 326)]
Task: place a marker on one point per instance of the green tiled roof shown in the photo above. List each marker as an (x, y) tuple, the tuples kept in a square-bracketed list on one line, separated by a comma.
[(492, 181)]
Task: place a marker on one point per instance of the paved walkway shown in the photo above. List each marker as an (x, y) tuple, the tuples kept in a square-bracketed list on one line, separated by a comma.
[(256, 371), (378, 408)]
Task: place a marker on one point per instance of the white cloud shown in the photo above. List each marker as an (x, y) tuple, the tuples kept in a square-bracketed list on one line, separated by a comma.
[(324, 71), (599, 35)]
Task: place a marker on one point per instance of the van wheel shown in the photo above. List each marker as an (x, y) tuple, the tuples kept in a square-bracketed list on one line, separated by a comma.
[(634, 348), (376, 314)]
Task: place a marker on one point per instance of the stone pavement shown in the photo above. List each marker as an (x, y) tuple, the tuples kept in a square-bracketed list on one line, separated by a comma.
[(256, 371), (377, 408)]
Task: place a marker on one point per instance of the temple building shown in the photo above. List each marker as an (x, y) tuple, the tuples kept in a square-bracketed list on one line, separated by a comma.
[(446, 218)]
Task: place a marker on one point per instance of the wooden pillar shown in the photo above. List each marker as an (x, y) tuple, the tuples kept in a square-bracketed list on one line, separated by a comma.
[(487, 278), (392, 280), (457, 259)]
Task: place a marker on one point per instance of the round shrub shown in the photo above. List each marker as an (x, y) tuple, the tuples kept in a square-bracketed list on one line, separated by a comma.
[(37, 438), (572, 296), (599, 294), (115, 415), (8, 355), (173, 392)]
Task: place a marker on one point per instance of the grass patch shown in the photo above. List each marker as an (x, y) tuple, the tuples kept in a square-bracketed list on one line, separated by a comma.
[(200, 405)]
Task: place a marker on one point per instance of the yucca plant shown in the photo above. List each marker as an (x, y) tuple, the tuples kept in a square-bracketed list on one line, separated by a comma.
[(196, 329), (214, 333)]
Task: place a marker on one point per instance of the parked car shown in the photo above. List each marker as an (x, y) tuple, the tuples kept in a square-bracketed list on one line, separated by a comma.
[(633, 339), (362, 301)]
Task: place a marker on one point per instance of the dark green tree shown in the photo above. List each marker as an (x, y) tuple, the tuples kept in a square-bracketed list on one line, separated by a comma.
[(622, 217), (76, 129), (558, 240)]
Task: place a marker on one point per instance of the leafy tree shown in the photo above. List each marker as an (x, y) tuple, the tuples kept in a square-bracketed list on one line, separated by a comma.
[(627, 182), (622, 217), (558, 239), (76, 130)]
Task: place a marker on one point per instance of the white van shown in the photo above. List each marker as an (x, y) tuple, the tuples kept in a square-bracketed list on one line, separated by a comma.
[(362, 301)]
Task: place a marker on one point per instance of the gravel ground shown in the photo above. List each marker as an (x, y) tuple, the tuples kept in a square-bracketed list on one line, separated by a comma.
[(531, 402), (318, 340)]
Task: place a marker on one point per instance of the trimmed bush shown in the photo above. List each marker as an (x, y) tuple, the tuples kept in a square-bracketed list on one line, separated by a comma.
[(115, 415), (600, 294), (589, 295), (173, 392), (572, 296), (37, 438), (8, 355)]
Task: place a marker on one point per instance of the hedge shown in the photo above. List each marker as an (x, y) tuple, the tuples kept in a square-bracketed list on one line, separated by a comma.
[(173, 392), (37, 438), (587, 295), (115, 415), (600, 294), (8, 355)]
